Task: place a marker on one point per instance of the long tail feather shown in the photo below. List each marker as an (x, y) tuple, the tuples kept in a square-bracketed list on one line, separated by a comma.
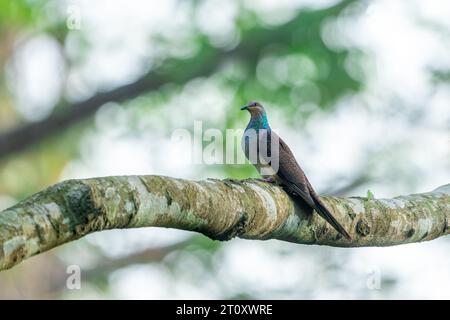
[(326, 214)]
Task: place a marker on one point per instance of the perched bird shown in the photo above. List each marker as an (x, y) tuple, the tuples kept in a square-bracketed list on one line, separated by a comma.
[(276, 163)]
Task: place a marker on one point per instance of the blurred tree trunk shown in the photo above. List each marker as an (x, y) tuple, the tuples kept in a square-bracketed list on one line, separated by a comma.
[(220, 209)]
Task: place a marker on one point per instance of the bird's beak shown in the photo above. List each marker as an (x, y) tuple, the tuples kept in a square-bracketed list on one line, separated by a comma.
[(244, 108)]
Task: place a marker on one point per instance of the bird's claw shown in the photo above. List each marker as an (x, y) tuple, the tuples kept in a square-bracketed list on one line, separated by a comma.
[(267, 180)]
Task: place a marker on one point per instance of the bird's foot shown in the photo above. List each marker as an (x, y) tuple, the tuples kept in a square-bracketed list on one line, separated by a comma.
[(267, 180)]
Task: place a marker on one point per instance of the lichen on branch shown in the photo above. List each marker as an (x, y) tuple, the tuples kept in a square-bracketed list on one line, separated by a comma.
[(220, 209)]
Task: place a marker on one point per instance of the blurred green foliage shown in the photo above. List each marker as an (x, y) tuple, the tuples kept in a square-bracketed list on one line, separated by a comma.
[(287, 65)]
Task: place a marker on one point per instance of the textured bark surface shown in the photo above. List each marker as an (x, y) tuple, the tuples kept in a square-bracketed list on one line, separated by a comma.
[(220, 209)]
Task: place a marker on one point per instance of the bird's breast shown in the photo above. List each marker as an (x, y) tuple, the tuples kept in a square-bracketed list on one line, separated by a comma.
[(256, 148)]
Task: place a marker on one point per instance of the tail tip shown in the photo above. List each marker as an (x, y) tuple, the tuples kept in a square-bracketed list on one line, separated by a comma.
[(347, 236)]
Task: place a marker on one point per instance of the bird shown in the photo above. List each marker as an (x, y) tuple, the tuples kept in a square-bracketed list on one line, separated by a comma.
[(276, 164)]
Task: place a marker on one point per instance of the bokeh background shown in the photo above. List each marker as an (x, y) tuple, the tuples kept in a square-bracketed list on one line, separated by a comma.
[(360, 90)]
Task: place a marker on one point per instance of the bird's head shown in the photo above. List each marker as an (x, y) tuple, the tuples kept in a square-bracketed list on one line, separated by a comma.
[(255, 108)]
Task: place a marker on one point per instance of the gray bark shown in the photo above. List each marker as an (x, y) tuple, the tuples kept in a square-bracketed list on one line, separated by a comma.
[(220, 209)]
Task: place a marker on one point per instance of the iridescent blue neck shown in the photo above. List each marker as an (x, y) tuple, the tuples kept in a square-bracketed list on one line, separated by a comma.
[(259, 121)]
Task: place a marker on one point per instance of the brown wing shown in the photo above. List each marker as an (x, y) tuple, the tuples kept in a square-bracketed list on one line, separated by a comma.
[(290, 173), (295, 181), (284, 165)]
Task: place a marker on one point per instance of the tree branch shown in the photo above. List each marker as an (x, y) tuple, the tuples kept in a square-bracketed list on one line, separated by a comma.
[(220, 209), (154, 254), (64, 116)]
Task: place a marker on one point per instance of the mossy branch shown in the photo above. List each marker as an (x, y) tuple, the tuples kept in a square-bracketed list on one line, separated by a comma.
[(220, 209)]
